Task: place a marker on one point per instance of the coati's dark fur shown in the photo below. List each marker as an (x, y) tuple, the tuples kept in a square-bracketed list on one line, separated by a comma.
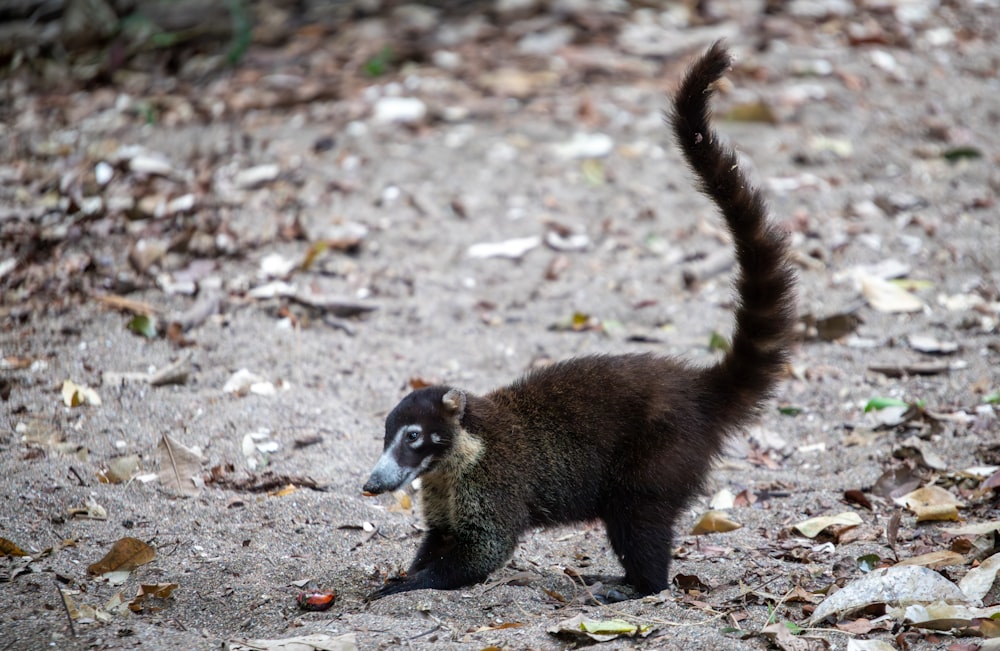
[(628, 439)]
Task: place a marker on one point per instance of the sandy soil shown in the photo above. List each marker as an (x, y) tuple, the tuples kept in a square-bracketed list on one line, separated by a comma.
[(881, 146)]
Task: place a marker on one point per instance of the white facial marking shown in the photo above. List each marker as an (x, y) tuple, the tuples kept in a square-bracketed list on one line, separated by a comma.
[(408, 435)]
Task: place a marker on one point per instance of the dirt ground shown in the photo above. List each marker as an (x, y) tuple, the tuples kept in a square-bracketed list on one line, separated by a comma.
[(875, 131)]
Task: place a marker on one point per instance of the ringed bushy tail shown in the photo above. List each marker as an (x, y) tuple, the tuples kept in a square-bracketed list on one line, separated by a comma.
[(765, 314)]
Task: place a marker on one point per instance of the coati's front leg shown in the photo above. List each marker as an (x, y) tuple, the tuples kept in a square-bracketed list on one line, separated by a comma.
[(450, 560)]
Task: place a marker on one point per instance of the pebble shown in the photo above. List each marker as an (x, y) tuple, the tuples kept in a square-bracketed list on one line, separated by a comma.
[(256, 176), (399, 110), (586, 145), (548, 42), (103, 173)]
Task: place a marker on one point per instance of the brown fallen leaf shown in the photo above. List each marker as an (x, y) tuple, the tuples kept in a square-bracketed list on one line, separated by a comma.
[(935, 560), (151, 590), (859, 626), (124, 304), (896, 481), (7, 548), (125, 555), (857, 497), (781, 635), (813, 526)]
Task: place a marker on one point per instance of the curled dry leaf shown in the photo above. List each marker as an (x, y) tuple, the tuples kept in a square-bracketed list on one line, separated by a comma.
[(714, 522), (931, 503), (813, 526), (120, 469), (74, 395), (125, 555)]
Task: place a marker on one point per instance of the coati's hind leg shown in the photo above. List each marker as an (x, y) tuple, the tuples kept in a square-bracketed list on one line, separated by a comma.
[(641, 533)]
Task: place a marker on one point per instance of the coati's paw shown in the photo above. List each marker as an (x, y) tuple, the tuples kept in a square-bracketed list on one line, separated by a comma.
[(392, 585)]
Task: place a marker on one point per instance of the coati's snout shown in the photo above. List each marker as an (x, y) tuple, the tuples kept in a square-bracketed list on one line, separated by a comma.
[(418, 432)]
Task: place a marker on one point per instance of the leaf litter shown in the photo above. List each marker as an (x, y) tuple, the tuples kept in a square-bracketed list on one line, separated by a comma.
[(170, 193)]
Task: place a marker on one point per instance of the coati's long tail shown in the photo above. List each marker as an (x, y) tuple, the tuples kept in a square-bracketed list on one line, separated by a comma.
[(765, 315)]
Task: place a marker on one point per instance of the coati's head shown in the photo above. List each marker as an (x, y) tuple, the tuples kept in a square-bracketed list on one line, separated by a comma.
[(418, 432)]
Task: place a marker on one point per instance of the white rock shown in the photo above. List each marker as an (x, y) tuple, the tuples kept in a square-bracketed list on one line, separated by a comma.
[(586, 145), (256, 176), (103, 173), (399, 110)]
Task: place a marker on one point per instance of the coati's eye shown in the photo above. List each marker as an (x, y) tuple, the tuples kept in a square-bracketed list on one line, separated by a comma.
[(412, 436)]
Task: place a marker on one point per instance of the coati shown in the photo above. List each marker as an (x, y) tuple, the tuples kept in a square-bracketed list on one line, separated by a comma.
[(625, 438)]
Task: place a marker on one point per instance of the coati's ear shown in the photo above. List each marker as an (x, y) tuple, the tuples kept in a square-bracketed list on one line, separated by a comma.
[(454, 403)]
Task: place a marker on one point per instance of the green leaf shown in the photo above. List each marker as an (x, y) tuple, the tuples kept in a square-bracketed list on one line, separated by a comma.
[(593, 171), (876, 404), (379, 64), (718, 342), (242, 31), (794, 628), (608, 627), (992, 399), (868, 562), (144, 325), (958, 153), (790, 410)]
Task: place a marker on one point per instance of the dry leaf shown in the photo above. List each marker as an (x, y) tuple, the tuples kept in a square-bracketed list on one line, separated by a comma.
[(935, 560), (583, 628), (7, 548), (74, 394), (180, 467), (813, 526), (888, 297), (714, 522), (931, 503), (781, 635), (119, 469), (894, 585), (978, 581), (125, 555), (978, 529), (284, 491), (151, 590)]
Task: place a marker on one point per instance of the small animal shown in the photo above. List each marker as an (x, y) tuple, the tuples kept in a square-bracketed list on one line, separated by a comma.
[(628, 439)]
